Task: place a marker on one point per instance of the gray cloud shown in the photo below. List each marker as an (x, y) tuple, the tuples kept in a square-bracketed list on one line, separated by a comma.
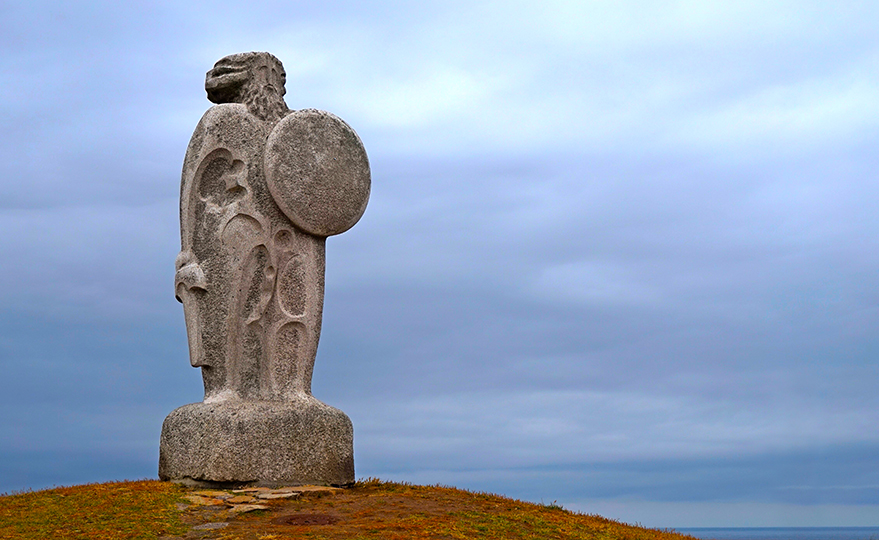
[(614, 255)]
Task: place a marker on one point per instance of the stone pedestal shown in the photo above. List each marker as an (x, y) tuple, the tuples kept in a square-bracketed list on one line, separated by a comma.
[(266, 443)]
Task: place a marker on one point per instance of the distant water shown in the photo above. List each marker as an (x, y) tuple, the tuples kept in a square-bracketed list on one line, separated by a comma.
[(784, 533)]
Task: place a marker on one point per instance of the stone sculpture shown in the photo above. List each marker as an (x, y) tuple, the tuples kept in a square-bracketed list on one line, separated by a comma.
[(262, 188)]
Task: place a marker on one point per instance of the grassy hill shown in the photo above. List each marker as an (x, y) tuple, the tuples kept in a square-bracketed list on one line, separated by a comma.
[(370, 509)]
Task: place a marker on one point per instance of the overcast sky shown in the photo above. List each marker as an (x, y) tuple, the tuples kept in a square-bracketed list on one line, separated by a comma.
[(620, 255)]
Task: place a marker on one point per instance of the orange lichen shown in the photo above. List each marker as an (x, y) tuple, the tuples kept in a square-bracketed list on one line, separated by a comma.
[(371, 509)]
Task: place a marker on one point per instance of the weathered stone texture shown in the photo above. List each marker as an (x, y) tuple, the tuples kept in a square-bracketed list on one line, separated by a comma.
[(322, 182), (262, 187), (258, 442)]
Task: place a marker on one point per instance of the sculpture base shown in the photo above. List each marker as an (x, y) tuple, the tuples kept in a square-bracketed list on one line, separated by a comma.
[(264, 443)]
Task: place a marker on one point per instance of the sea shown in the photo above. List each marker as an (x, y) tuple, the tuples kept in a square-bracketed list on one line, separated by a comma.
[(783, 533)]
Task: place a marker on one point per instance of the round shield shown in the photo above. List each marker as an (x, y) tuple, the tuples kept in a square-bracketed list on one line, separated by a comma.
[(317, 171)]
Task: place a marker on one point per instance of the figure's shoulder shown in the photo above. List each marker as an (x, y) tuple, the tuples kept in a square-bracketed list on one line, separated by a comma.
[(229, 127), (228, 115)]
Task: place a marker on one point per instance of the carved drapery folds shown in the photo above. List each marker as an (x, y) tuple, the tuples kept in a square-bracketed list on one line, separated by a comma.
[(262, 188)]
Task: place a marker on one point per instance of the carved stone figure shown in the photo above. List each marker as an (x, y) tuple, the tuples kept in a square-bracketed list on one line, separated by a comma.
[(262, 188)]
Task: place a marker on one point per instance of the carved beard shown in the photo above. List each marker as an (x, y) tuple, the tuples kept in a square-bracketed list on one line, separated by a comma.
[(264, 102)]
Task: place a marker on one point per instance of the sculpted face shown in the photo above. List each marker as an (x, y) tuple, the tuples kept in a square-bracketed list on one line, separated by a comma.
[(226, 82), (255, 79)]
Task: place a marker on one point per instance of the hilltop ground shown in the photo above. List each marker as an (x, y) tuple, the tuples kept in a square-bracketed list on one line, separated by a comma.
[(371, 509)]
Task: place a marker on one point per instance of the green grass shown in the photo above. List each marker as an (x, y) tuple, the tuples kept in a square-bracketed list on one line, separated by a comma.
[(119, 510), (369, 510)]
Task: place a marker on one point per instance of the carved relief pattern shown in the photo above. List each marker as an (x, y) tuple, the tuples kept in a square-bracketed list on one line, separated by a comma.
[(251, 280), (252, 328)]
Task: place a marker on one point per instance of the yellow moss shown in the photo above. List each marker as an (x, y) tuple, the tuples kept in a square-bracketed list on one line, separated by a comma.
[(129, 510), (371, 509)]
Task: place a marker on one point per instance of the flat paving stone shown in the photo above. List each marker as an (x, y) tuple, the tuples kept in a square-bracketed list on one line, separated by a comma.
[(243, 508), (239, 499), (214, 494), (211, 526), (203, 501), (282, 495)]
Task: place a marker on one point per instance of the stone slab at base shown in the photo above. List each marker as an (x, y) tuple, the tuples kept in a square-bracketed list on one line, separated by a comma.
[(263, 443)]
